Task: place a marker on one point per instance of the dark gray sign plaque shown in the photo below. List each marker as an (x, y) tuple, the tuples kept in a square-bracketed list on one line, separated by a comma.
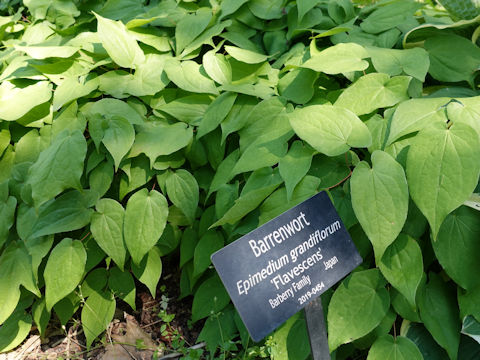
[(279, 268)]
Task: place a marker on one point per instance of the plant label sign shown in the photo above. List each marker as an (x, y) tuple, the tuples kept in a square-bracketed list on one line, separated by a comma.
[(279, 268)]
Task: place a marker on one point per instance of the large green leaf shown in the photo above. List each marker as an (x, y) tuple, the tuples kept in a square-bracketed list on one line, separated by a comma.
[(159, 139), (266, 9), (7, 215), (107, 229), (97, 313), (206, 246), (14, 331), (414, 115), (145, 218), (122, 285), (187, 76), (216, 112), (456, 243), (246, 56), (444, 66), (389, 348), (120, 45), (40, 52), (190, 26), (340, 58), (149, 270), (118, 138), (442, 170), (402, 266), (295, 165), (380, 199), (68, 212), (374, 91), (439, 312), (298, 85), (330, 129), (358, 305), (58, 167), (217, 67), (64, 270), (15, 101), (15, 270), (261, 184), (182, 190), (413, 62), (210, 297)]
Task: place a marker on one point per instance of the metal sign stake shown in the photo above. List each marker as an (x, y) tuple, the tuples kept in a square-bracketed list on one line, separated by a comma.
[(317, 331)]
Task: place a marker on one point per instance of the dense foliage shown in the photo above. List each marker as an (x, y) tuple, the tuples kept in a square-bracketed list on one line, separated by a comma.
[(133, 130)]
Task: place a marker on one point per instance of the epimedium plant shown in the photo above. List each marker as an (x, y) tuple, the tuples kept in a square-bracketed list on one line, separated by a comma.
[(135, 130)]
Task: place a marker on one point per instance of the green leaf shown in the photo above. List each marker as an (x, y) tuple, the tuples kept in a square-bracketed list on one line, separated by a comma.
[(58, 167), (439, 313), (244, 55), (389, 16), (358, 305), (442, 170), (414, 115), (118, 138), (280, 337), (374, 91), (425, 343), (40, 315), (444, 66), (122, 285), (188, 109), (107, 229), (278, 203), (297, 85), (97, 313), (456, 243), (380, 199), (187, 76), (337, 59), (216, 112), (156, 139), (217, 67), (145, 218), (298, 344), (15, 102), (224, 172), (109, 107), (14, 331), (190, 26), (7, 215), (228, 7), (413, 62), (295, 165), (15, 270), (40, 52), (261, 183), (183, 192), (304, 6), (149, 270), (64, 270), (330, 129), (389, 348), (402, 266), (120, 45), (210, 297), (70, 89), (206, 246), (266, 9), (65, 213)]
